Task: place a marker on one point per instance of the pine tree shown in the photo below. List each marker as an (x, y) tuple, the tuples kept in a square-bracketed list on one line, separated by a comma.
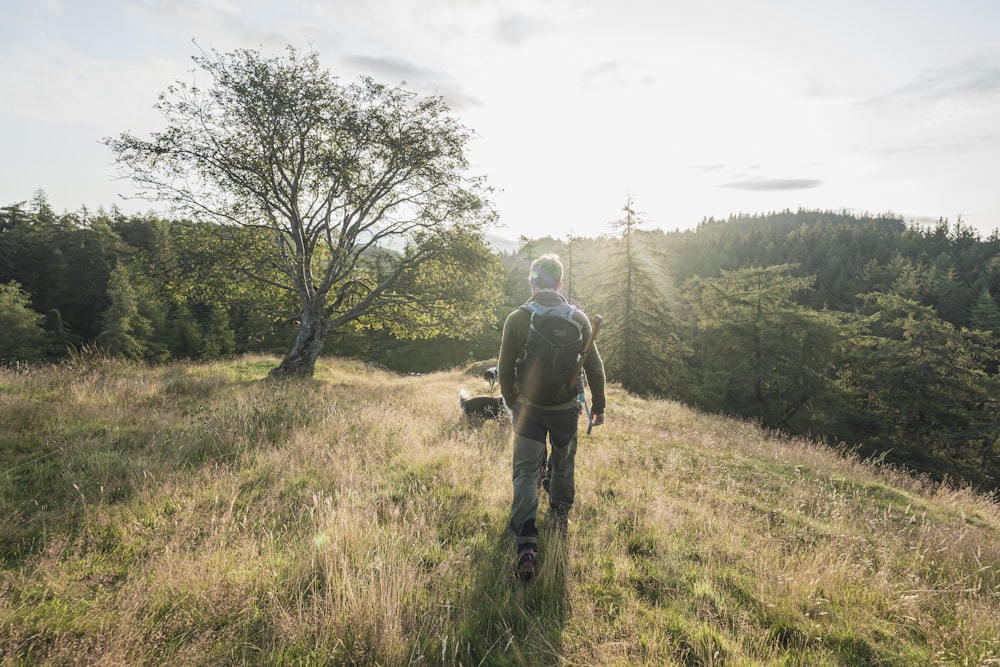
[(760, 354), (985, 315), (218, 339), (639, 342), (124, 330), (61, 338), (926, 382), (184, 335), (23, 336)]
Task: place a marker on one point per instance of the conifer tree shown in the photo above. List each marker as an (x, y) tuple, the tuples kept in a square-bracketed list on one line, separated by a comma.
[(757, 352), (218, 339), (124, 331), (985, 315), (184, 334), (23, 336), (639, 343), (925, 381), (61, 338)]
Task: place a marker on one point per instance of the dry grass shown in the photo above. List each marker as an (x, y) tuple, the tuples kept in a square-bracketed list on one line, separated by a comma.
[(192, 514)]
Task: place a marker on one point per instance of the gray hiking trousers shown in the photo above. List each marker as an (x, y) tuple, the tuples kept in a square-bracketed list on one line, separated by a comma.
[(532, 427)]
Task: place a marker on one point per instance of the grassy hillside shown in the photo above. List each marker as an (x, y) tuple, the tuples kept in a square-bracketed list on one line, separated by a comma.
[(192, 514)]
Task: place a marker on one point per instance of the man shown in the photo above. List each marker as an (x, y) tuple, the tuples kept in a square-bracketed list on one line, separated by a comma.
[(538, 419)]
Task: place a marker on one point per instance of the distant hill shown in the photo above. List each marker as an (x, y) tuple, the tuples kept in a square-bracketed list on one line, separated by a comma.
[(502, 244)]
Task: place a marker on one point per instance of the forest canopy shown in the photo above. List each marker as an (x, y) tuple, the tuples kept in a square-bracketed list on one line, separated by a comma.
[(866, 332)]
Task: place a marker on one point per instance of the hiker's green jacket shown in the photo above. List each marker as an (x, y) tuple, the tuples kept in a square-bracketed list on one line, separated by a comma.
[(515, 333)]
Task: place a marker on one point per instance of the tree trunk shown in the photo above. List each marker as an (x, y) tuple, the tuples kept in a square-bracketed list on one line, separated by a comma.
[(300, 360)]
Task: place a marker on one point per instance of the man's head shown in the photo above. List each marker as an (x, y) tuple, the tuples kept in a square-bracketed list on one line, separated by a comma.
[(546, 273)]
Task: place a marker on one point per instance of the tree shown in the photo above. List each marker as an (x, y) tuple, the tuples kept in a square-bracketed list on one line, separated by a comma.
[(81, 263), (184, 336), (61, 340), (640, 345), (985, 314), (218, 339), (125, 331), (759, 353), (23, 336), (358, 189), (925, 381)]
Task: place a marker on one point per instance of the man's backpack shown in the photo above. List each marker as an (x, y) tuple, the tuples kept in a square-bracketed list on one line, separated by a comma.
[(554, 344)]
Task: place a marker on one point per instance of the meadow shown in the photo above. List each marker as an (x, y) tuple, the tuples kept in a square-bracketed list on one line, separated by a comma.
[(198, 513)]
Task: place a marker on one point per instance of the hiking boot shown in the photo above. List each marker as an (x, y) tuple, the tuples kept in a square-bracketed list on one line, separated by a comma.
[(527, 565)]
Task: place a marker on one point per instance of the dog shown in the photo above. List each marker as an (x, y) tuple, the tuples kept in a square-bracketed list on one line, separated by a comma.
[(490, 375), (477, 409)]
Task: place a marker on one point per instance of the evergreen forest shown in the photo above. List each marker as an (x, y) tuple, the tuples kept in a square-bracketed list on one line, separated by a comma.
[(868, 333)]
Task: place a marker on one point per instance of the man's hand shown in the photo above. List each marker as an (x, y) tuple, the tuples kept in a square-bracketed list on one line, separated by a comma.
[(597, 418)]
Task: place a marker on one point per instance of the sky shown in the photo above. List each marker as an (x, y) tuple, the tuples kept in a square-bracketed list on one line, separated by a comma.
[(690, 108)]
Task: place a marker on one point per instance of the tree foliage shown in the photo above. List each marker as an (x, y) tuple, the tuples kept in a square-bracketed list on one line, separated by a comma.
[(640, 343), (23, 337), (355, 187), (125, 331), (985, 314), (759, 352), (929, 385)]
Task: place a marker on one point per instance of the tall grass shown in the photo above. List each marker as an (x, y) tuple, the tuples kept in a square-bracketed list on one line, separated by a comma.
[(201, 514)]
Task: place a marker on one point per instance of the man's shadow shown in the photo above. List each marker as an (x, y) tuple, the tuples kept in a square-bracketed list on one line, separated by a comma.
[(506, 621)]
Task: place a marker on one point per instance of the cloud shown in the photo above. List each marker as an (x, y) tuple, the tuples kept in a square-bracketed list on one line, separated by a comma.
[(949, 144), (974, 77), (515, 22), (197, 14), (616, 74), (972, 80), (392, 69), (773, 184), (515, 28), (718, 166)]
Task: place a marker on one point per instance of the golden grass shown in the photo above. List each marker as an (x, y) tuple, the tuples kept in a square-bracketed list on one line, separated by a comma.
[(198, 514)]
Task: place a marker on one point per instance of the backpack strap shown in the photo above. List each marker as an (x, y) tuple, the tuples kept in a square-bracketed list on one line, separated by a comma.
[(536, 308)]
